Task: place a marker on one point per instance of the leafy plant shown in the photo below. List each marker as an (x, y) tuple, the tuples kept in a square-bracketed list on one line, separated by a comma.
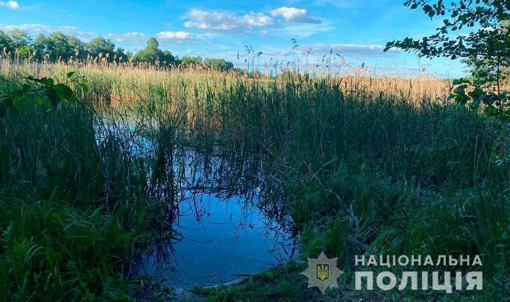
[(485, 50), (42, 90)]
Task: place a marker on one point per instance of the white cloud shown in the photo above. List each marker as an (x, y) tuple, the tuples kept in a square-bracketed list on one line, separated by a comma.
[(11, 4), (140, 39), (227, 22), (351, 50), (179, 35), (134, 34), (294, 15), (265, 34), (40, 28), (129, 37)]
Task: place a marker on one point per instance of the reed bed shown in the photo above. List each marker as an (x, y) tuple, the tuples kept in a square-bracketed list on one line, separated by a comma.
[(381, 161)]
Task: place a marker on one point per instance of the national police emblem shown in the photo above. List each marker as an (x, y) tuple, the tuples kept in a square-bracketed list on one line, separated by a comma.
[(322, 272)]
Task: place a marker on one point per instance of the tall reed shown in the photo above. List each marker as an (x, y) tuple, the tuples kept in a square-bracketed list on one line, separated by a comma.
[(380, 161)]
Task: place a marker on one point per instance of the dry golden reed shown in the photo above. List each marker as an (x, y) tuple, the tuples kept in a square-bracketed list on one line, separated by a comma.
[(126, 82)]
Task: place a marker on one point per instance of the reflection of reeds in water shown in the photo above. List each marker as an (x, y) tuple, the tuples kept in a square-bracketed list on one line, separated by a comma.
[(224, 177), (176, 166)]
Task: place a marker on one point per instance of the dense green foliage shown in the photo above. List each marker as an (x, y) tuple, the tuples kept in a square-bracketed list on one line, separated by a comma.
[(485, 49), (60, 47), (44, 91), (152, 54), (74, 212), (191, 61), (219, 64), (104, 47)]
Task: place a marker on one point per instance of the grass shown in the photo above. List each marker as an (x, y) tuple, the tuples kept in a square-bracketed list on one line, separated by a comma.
[(70, 254), (362, 164)]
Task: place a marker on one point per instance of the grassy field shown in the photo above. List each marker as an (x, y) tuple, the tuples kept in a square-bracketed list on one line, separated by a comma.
[(364, 166)]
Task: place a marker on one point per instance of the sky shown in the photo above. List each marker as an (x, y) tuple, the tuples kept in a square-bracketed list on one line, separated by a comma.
[(354, 29)]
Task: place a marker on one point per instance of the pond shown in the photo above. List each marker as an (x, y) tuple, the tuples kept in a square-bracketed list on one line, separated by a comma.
[(224, 231), (226, 221)]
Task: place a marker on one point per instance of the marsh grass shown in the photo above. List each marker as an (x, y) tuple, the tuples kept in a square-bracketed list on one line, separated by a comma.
[(76, 210), (52, 251), (362, 164)]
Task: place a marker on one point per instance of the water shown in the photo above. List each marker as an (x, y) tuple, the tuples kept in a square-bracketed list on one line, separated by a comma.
[(227, 240), (225, 232), (226, 225)]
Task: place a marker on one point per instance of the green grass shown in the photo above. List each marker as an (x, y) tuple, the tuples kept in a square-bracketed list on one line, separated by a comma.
[(51, 251), (382, 162)]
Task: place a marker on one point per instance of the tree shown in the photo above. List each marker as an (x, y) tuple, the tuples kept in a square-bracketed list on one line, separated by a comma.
[(57, 46), (77, 47), (492, 69), (121, 55), (102, 46), (485, 49), (21, 43), (39, 45), (151, 53), (168, 57), (219, 64), (19, 38), (6, 44), (191, 61)]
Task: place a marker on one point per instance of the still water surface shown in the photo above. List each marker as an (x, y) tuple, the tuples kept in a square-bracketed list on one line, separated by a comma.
[(226, 229), (226, 217), (227, 241)]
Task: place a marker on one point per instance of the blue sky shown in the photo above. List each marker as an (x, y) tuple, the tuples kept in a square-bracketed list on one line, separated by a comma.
[(221, 29)]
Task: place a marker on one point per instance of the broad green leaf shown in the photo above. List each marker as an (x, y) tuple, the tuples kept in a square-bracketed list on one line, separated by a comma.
[(53, 96), (68, 94), (16, 94), (476, 103), (48, 82), (84, 87), (65, 93)]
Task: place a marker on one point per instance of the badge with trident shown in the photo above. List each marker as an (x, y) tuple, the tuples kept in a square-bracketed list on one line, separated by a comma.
[(322, 272)]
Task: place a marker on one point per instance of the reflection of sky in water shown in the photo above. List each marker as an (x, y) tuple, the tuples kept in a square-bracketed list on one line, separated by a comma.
[(224, 238), (229, 240)]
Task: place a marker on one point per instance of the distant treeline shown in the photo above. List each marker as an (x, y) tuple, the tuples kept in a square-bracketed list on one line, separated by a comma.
[(58, 46)]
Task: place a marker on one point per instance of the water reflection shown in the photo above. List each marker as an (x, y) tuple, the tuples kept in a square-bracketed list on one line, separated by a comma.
[(225, 230), (224, 218)]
